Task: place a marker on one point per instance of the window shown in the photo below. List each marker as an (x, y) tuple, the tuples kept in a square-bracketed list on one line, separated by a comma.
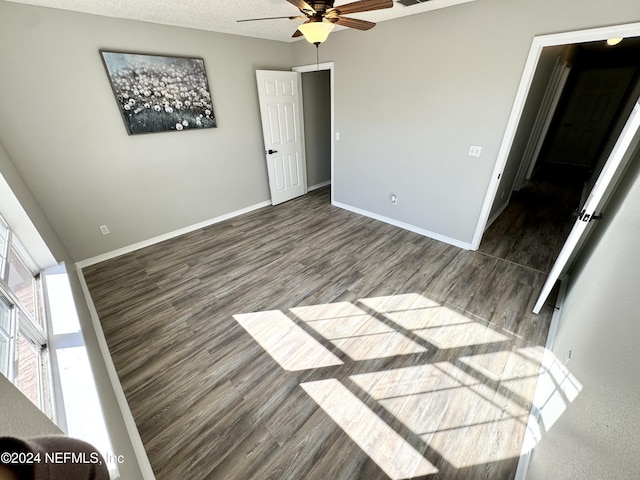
[(6, 334), (24, 357)]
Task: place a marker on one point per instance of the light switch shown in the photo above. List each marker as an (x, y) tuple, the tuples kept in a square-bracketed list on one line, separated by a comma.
[(475, 150)]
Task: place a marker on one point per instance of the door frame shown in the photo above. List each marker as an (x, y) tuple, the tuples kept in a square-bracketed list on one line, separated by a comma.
[(312, 68), (537, 45)]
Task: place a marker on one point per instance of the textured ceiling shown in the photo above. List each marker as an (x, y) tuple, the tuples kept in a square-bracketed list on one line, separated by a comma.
[(221, 15)]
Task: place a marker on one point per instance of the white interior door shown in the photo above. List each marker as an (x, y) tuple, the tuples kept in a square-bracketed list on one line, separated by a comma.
[(623, 149), (280, 110)]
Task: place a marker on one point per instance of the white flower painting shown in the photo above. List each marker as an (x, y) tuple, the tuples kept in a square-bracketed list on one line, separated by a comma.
[(160, 93)]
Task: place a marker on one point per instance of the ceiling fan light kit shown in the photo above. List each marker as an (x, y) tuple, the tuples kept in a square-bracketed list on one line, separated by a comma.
[(316, 32), (322, 17)]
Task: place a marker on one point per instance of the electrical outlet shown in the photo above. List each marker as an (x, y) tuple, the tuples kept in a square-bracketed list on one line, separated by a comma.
[(394, 199), (475, 150), (104, 230), (337, 135)]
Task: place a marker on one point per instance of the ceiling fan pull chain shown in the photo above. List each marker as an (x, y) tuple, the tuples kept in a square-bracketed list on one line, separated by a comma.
[(317, 60)]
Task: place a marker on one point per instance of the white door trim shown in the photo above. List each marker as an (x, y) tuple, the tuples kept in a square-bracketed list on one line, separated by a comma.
[(539, 42), (312, 68)]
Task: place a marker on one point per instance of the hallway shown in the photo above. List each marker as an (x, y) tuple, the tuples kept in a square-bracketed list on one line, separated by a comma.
[(535, 225)]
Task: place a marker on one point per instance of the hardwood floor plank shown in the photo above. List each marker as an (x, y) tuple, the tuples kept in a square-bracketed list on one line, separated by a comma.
[(252, 452), (302, 450)]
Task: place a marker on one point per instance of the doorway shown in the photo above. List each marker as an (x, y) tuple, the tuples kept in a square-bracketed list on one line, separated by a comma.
[(500, 176), (316, 105), (533, 224), (504, 172), (317, 91)]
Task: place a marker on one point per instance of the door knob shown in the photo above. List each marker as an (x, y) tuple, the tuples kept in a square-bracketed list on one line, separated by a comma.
[(271, 151)]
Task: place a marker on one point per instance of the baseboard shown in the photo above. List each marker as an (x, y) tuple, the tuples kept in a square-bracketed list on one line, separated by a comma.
[(534, 418), (318, 185), (405, 226), (167, 236)]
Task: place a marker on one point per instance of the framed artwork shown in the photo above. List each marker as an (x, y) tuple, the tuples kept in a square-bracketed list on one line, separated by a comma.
[(159, 93)]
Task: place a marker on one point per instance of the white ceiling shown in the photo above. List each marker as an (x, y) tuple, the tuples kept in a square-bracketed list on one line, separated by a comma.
[(221, 15)]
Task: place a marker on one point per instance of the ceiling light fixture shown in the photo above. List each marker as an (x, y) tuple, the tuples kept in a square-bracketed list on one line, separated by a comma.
[(316, 32), (614, 41)]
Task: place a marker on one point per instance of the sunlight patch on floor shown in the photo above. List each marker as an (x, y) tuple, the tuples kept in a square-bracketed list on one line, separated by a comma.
[(471, 410), (458, 336), (355, 332), (376, 438), (398, 303), (450, 410), (525, 370), (288, 344), (441, 326)]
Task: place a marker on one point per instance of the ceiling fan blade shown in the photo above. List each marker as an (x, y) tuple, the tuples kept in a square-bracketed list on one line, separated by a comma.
[(301, 5), (299, 17), (298, 33), (353, 23), (362, 6)]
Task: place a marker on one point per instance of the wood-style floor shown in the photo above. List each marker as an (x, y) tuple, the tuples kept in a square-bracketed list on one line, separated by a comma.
[(306, 342), (537, 222)]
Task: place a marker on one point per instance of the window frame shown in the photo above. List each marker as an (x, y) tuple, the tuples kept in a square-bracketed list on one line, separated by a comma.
[(23, 322), (10, 334)]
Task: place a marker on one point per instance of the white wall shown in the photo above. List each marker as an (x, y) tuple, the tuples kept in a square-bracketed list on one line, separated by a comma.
[(60, 124), (414, 93), (597, 436)]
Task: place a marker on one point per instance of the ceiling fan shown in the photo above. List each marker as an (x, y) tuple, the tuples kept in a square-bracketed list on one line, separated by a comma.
[(321, 17)]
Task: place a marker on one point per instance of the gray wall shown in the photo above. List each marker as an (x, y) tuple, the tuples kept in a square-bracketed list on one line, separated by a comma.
[(316, 98), (19, 417), (60, 125), (597, 436), (414, 93)]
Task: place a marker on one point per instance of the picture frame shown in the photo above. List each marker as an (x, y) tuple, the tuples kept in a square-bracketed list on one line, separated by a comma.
[(159, 93)]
